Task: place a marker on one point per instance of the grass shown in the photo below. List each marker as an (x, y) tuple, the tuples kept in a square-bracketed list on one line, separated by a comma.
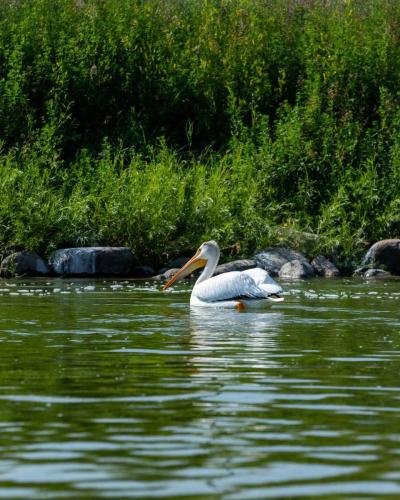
[(161, 124)]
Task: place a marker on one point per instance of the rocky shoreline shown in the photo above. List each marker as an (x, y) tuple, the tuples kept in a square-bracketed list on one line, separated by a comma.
[(381, 260)]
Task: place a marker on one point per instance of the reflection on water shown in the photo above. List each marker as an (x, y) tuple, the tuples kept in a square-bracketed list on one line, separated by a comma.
[(116, 390)]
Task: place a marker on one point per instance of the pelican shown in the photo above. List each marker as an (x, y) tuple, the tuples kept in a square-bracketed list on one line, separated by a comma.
[(238, 289)]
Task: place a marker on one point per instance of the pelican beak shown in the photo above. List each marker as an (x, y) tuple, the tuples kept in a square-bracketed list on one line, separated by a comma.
[(194, 263)]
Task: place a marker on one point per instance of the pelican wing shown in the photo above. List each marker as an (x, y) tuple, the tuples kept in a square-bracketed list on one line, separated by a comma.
[(264, 280), (229, 286)]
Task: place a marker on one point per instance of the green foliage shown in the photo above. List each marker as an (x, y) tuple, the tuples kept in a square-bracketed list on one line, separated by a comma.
[(278, 121)]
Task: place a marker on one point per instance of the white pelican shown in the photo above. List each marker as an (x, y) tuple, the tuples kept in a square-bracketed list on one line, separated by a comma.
[(237, 289)]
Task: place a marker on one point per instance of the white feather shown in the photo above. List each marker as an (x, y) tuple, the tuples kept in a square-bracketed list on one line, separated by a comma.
[(264, 281), (251, 284)]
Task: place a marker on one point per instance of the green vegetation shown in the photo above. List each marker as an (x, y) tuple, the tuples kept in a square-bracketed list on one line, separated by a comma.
[(158, 124)]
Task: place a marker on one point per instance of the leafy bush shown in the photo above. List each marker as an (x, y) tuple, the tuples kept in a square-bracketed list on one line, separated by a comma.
[(160, 124)]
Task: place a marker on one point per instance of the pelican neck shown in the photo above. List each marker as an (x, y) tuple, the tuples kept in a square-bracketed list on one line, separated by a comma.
[(208, 271)]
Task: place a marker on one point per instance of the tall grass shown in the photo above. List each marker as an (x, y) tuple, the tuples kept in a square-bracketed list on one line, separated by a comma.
[(157, 206), (161, 123)]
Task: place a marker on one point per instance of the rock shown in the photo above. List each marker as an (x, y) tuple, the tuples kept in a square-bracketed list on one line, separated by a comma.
[(376, 273), (324, 267), (142, 272), (360, 271), (170, 272), (272, 259), (367, 272), (24, 262), (235, 265), (166, 275), (296, 269), (384, 253), (93, 261)]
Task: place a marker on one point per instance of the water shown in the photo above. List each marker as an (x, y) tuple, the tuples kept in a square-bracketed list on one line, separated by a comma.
[(116, 390)]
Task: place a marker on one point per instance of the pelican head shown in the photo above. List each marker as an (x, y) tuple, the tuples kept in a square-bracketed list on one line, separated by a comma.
[(206, 255)]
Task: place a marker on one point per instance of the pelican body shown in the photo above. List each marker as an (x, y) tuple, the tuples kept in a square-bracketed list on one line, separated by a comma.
[(238, 289)]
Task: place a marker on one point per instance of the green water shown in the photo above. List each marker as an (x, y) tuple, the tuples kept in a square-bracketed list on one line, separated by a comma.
[(116, 390)]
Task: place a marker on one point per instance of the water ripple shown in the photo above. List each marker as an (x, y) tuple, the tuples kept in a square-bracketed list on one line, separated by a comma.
[(113, 389)]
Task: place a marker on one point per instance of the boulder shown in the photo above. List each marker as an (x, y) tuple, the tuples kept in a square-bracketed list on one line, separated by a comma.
[(360, 271), (24, 262), (324, 267), (367, 272), (272, 259), (166, 275), (376, 273), (93, 261), (169, 273), (296, 269), (385, 253), (235, 265)]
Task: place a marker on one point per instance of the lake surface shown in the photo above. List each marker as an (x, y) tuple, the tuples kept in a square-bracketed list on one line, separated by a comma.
[(112, 389)]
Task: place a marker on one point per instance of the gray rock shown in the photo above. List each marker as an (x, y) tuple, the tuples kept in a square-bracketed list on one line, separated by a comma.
[(170, 272), (360, 271), (324, 267), (93, 261), (272, 259), (384, 253), (376, 273), (166, 275), (27, 263), (235, 265), (296, 269)]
